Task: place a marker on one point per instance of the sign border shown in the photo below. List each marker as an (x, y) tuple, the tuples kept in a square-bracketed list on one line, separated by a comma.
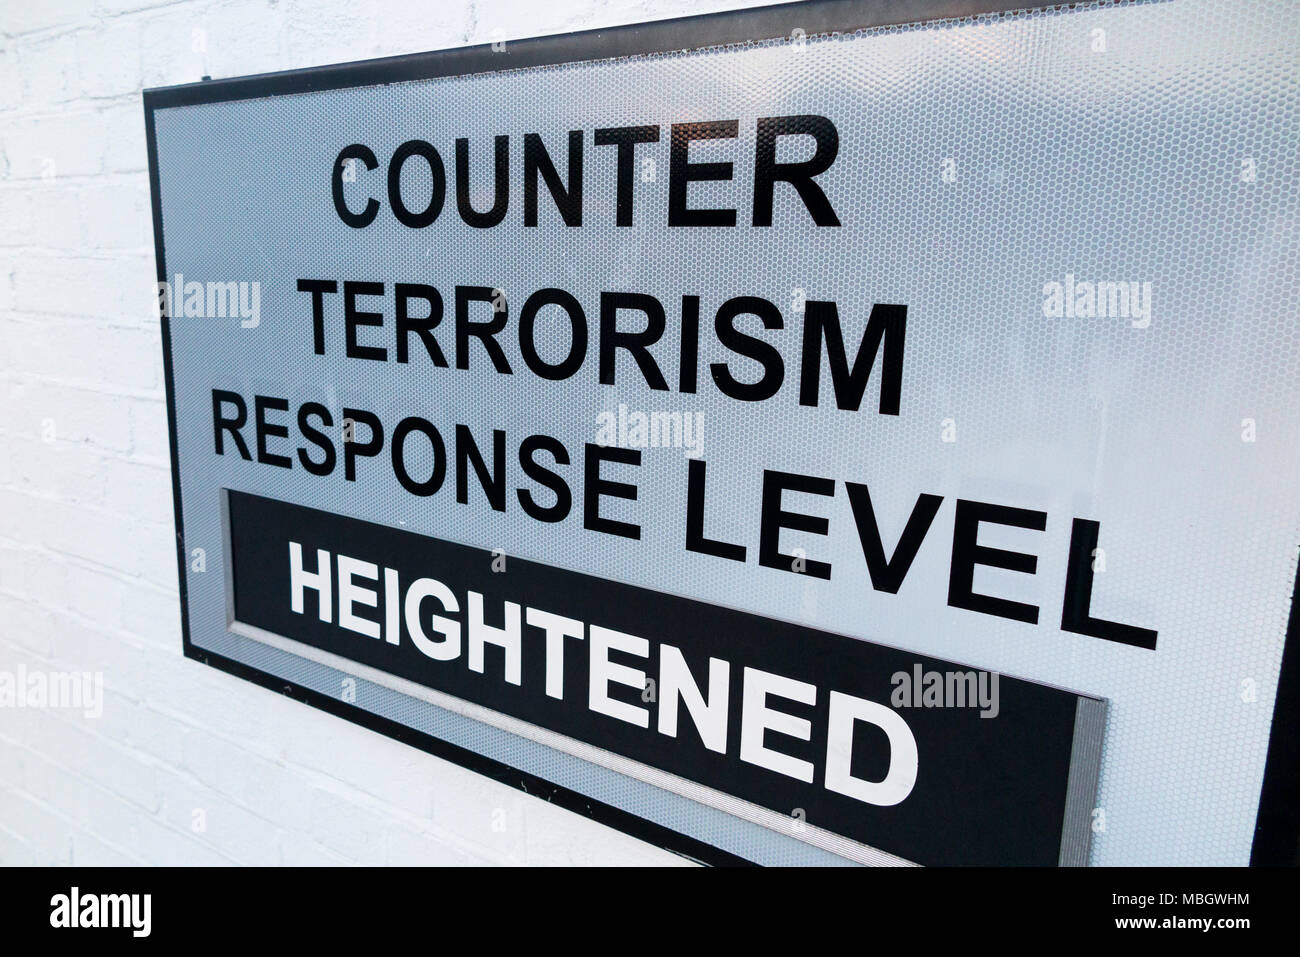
[(1278, 820)]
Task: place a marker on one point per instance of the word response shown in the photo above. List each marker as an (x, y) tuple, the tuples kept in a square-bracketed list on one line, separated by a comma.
[(545, 463)]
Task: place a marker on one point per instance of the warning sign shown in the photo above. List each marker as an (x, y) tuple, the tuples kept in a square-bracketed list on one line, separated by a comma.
[(784, 443)]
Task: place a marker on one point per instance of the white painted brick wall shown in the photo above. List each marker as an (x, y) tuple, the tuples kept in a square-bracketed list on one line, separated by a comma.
[(87, 567)]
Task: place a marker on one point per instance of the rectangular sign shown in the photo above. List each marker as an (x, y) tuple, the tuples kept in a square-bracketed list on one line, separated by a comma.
[(791, 436), (769, 712)]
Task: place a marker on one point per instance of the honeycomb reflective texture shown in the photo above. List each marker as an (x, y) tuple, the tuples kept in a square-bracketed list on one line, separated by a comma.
[(979, 161)]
